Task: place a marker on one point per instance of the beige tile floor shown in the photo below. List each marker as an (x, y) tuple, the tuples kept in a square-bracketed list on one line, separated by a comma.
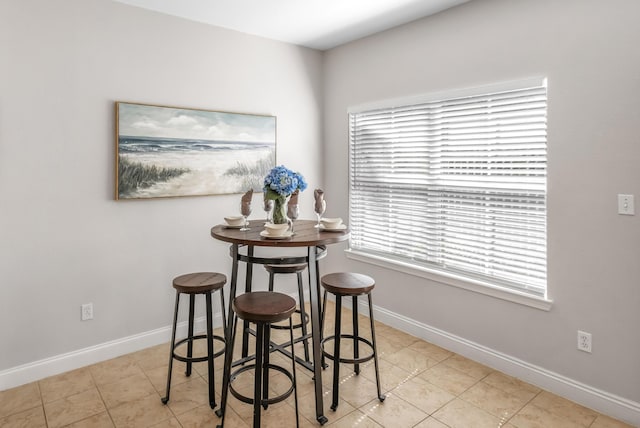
[(425, 386)]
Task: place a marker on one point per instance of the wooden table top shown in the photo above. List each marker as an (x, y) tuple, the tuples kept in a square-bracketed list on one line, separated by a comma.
[(306, 235)]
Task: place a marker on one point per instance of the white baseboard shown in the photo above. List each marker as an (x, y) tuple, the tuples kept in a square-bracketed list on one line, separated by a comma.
[(601, 401), (41, 369), (593, 398)]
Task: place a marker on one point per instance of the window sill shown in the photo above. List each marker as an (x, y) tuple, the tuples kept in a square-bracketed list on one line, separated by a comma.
[(453, 280)]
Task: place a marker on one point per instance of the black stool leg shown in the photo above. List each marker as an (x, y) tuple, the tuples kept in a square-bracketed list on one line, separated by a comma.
[(266, 348), (356, 333), (257, 390), (212, 380), (226, 374), (375, 350), (171, 345), (224, 315), (336, 353), (305, 342), (192, 298), (323, 363), (293, 368)]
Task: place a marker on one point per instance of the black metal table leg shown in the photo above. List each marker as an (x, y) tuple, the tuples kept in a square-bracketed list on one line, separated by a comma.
[(314, 300), (229, 332), (247, 289)]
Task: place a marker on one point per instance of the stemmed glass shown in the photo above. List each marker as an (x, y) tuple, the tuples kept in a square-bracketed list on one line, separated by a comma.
[(268, 206), (293, 212), (245, 210), (319, 212)]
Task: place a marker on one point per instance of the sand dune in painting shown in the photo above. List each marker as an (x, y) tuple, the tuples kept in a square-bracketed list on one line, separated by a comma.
[(202, 171)]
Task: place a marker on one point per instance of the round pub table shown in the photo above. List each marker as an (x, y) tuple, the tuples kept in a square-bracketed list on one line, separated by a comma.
[(315, 241)]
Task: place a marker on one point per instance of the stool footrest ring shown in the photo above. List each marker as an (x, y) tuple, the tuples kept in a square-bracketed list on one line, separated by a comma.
[(305, 320), (197, 359), (249, 400), (358, 360)]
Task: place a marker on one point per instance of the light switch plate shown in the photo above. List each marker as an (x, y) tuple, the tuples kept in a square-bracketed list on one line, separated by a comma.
[(625, 205)]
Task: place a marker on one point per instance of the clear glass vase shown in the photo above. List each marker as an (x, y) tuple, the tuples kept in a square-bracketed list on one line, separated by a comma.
[(279, 215)]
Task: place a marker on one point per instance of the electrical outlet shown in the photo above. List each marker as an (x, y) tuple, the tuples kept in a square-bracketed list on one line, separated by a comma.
[(584, 341), (86, 312)]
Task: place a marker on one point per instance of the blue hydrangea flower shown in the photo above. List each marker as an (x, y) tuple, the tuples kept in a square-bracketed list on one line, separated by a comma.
[(282, 182)]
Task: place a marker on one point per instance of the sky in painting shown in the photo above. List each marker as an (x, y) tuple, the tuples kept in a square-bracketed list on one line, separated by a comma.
[(138, 120)]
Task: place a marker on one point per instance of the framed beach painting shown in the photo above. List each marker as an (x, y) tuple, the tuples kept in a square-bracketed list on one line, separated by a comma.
[(168, 151)]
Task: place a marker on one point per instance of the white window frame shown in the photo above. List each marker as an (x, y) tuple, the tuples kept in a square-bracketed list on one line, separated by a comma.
[(466, 280)]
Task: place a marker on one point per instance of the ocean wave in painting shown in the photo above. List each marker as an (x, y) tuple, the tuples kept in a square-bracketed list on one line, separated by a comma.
[(168, 145)]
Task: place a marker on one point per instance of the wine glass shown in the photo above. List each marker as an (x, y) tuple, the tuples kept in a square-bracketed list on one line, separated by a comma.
[(319, 212), (293, 212), (245, 210), (268, 206)]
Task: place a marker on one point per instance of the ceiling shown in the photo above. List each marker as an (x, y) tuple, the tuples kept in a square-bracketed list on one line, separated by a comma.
[(318, 24)]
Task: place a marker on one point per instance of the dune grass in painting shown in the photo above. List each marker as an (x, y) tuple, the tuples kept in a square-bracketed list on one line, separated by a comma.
[(134, 175), (250, 174)]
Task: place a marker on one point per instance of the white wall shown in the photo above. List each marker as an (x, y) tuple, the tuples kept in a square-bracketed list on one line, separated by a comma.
[(588, 49), (64, 240)]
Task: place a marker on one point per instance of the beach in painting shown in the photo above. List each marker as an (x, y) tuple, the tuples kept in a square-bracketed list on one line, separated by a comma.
[(206, 167)]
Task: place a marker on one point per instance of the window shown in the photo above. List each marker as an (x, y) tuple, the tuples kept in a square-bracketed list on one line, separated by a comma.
[(455, 184)]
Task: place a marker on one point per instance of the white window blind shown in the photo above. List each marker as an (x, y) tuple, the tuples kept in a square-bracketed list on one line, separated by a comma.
[(455, 184)]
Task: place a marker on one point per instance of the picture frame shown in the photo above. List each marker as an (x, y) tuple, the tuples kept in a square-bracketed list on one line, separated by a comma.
[(164, 151)]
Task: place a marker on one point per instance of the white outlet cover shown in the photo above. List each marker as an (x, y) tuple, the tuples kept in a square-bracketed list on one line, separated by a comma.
[(584, 341), (86, 312)]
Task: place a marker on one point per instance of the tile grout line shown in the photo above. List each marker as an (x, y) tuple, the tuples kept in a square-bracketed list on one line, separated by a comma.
[(525, 405), (44, 412), (104, 403)]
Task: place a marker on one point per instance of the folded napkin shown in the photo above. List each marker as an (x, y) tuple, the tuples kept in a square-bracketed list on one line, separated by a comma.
[(320, 205), (245, 205)]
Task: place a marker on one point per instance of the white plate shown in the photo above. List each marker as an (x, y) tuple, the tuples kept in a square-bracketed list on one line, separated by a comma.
[(333, 229), (228, 226), (266, 234)]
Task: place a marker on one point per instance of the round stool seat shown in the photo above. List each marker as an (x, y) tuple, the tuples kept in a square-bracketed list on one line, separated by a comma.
[(285, 268), (264, 306), (199, 283), (348, 283)]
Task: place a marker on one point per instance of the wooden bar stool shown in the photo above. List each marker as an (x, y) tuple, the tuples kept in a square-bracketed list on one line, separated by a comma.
[(348, 284), (261, 308), (192, 284), (304, 317)]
